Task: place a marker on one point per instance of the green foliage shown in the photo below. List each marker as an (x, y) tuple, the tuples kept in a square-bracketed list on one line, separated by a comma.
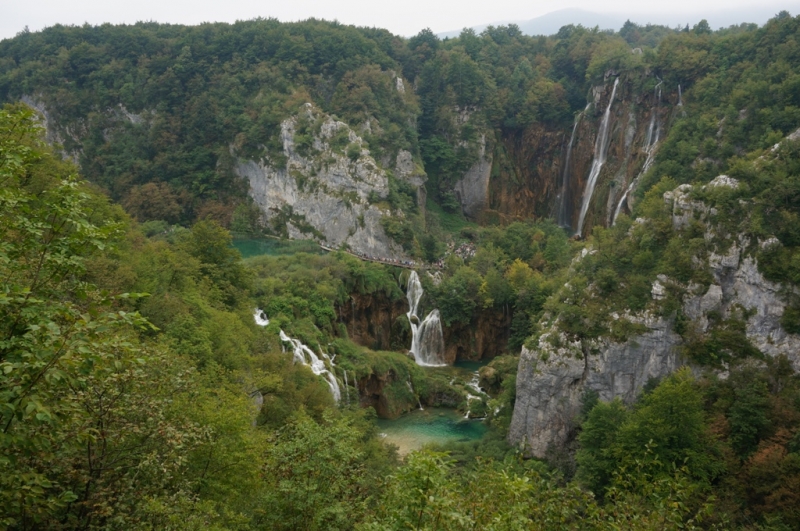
[(425, 494), (96, 427), (317, 476), (668, 425)]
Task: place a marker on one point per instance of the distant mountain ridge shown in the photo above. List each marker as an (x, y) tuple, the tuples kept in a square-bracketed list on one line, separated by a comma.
[(550, 23)]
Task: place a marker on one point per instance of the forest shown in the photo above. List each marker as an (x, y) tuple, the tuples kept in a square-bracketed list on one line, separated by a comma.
[(137, 391)]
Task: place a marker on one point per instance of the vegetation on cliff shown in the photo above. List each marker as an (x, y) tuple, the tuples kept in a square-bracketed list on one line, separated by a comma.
[(136, 392)]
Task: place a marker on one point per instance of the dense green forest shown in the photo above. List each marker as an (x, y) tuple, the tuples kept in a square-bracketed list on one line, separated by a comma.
[(194, 95), (137, 392)]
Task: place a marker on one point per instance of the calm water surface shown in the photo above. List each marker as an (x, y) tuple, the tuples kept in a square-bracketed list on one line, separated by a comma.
[(414, 430)]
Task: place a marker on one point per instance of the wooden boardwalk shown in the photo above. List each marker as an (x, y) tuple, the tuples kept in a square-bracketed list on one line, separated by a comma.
[(407, 264)]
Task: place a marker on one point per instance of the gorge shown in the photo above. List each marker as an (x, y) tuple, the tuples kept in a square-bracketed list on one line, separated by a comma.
[(233, 255)]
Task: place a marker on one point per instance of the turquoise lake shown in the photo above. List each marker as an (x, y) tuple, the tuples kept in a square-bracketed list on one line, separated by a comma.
[(414, 430)]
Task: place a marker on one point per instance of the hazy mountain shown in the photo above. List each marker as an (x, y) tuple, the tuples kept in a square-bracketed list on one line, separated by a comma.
[(550, 23)]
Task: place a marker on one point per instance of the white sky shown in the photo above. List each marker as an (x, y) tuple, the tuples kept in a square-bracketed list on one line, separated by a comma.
[(403, 17)]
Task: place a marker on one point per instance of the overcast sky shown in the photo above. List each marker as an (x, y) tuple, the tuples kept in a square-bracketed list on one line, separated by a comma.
[(403, 17)]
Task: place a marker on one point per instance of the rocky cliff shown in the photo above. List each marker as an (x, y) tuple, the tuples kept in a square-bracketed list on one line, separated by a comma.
[(554, 373), (542, 170), (324, 186)]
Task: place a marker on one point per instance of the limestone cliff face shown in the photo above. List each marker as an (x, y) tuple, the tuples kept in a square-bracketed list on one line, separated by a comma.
[(322, 193), (67, 138), (542, 170), (472, 190), (555, 373), (550, 381)]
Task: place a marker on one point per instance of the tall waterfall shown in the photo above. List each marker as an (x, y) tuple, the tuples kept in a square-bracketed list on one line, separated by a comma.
[(427, 340), (306, 356), (650, 147), (600, 151), (564, 217)]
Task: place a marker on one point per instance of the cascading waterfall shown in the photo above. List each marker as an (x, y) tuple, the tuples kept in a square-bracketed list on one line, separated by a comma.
[(475, 385), (260, 317), (306, 356), (427, 340), (651, 145), (680, 96), (600, 151), (564, 217)]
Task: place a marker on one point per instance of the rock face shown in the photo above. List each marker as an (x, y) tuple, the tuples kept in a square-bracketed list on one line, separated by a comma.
[(374, 391), (554, 375), (532, 173), (321, 192), (472, 190), (483, 338), (550, 382), (376, 322)]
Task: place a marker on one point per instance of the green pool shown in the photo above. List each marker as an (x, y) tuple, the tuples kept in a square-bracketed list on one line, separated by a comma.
[(433, 425), (250, 247)]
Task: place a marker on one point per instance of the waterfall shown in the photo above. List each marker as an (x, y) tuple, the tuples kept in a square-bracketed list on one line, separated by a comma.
[(651, 144), (306, 356), (346, 388), (258, 402), (600, 151), (564, 217), (427, 340), (411, 388), (680, 96), (260, 317)]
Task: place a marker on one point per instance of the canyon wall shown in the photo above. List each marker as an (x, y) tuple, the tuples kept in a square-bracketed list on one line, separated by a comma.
[(541, 171), (554, 373)]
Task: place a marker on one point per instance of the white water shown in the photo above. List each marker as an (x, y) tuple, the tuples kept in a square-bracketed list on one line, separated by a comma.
[(563, 218), (680, 96), (427, 340), (600, 152), (411, 388), (260, 317), (306, 356), (650, 148), (475, 385)]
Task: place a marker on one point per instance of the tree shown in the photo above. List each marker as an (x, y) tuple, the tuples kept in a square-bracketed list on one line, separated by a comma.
[(596, 462)]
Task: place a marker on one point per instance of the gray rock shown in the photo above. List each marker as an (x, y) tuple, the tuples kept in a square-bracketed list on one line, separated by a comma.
[(551, 380), (327, 191), (549, 388), (472, 189)]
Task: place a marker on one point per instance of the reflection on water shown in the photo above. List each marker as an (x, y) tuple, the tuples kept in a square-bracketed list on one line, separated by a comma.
[(471, 366), (274, 247), (433, 425)]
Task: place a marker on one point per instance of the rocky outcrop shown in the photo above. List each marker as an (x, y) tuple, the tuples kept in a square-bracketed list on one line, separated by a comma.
[(408, 170), (320, 191), (551, 381), (386, 394), (472, 190), (554, 374), (376, 322), (67, 138)]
